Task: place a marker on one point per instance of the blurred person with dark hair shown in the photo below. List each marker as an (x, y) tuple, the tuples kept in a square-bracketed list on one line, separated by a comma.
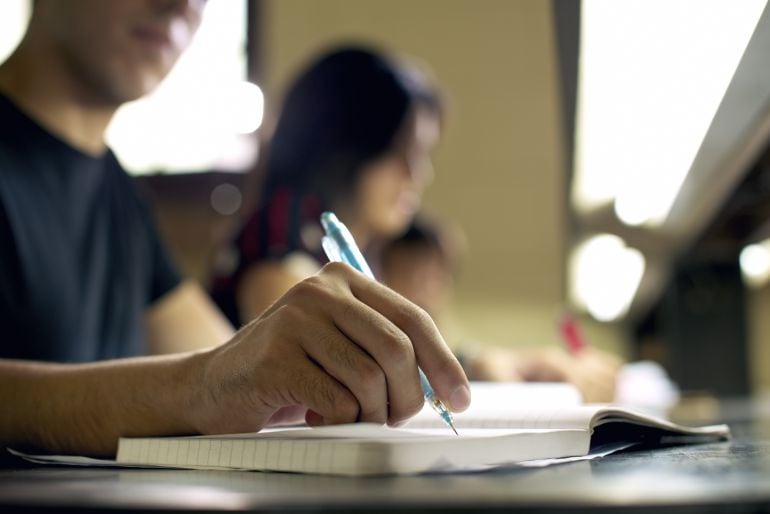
[(86, 282), (354, 136), (422, 264)]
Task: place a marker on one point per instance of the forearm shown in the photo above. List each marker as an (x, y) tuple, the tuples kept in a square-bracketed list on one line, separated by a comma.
[(337, 348), (185, 319), (85, 408)]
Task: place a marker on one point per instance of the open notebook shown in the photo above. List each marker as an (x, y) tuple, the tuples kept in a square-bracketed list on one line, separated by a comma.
[(489, 437)]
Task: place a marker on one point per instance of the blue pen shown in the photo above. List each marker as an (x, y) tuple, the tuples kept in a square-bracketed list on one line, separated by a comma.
[(339, 245)]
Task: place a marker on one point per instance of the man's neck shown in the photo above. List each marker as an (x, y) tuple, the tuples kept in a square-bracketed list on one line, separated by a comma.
[(45, 94)]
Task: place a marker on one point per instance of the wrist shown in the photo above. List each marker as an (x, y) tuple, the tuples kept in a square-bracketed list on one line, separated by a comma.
[(193, 394)]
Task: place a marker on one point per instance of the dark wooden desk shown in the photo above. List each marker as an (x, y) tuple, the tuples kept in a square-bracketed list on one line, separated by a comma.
[(732, 476)]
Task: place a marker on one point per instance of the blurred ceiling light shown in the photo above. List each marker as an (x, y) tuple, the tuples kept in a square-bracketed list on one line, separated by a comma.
[(192, 121), (604, 276), (755, 263), (652, 74)]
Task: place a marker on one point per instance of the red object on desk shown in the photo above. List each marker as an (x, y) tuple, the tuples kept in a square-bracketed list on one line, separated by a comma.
[(571, 334)]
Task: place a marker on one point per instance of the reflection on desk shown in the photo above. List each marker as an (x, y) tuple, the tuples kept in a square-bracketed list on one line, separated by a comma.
[(716, 477)]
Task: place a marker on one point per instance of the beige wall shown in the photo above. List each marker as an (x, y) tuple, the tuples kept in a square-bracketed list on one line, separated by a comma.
[(499, 166), (758, 306)]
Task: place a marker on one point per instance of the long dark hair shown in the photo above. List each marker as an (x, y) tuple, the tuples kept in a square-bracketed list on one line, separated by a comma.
[(340, 114)]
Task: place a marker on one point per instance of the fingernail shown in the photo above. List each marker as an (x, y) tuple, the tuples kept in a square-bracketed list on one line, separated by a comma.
[(460, 399)]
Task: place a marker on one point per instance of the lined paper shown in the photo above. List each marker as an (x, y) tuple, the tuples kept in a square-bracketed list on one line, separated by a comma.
[(490, 435)]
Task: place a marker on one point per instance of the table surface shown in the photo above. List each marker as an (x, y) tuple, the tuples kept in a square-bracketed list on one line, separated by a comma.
[(728, 476)]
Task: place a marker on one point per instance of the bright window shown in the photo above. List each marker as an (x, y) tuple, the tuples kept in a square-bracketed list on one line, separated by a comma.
[(201, 116), (652, 74)]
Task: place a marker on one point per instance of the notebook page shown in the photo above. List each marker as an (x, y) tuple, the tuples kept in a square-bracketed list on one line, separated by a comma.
[(610, 414), (490, 400), (347, 431), (491, 395), (564, 417)]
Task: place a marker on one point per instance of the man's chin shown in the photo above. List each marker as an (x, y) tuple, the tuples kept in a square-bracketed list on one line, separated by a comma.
[(136, 89), (129, 87)]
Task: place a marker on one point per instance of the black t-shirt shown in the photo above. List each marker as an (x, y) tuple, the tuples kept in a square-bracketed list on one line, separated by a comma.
[(80, 260)]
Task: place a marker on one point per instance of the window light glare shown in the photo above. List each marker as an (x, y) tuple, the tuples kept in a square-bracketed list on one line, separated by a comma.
[(652, 73), (604, 275), (755, 263), (13, 23), (194, 120), (246, 106), (631, 210)]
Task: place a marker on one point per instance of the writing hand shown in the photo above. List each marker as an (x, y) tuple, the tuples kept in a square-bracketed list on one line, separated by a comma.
[(337, 348)]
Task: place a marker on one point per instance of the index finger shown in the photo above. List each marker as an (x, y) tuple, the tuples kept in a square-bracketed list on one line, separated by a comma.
[(436, 359)]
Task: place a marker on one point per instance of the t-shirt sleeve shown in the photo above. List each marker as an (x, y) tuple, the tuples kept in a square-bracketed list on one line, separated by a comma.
[(9, 273), (162, 273), (164, 276)]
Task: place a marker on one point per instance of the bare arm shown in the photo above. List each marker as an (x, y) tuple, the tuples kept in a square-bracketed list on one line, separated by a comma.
[(84, 408), (336, 348), (185, 319), (264, 283)]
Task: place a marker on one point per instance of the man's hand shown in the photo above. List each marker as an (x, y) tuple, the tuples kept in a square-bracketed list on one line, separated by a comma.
[(336, 348)]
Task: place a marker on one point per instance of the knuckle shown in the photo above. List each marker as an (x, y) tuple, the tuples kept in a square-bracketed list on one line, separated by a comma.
[(308, 286), (399, 345), (371, 376), (335, 269), (312, 289), (414, 316), (407, 407)]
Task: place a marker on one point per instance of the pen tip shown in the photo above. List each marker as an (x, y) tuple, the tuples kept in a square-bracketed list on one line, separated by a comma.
[(449, 421)]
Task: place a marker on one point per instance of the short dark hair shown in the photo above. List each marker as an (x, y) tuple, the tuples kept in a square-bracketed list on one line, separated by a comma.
[(427, 234)]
